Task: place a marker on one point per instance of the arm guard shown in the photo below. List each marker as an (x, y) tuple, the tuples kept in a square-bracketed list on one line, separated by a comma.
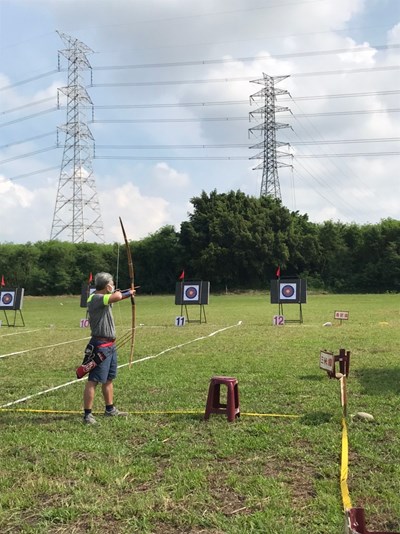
[(126, 293)]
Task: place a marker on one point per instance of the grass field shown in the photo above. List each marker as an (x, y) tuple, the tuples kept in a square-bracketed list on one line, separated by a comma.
[(164, 469)]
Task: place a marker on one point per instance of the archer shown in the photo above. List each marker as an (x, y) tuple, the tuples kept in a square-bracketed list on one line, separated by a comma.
[(101, 352)]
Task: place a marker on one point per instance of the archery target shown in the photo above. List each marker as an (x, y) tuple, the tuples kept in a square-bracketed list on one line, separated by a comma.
[(11, 298), (7, 298), (190, 293), (288, 291), (196, 292)]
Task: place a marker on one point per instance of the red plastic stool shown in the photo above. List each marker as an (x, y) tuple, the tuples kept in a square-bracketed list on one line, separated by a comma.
[(231, 408)]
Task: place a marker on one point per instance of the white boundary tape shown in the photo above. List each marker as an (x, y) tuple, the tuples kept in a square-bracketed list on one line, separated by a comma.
[(45, 347), (21, 332), (18, 401)]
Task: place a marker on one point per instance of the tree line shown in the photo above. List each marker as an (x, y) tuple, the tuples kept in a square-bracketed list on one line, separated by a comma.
[(233, 240)]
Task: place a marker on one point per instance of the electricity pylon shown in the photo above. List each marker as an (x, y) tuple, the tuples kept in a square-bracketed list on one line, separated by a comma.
[(77, 208), (269, 154)]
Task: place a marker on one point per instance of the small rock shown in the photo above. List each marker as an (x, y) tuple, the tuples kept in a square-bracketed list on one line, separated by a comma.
[(363, 415)]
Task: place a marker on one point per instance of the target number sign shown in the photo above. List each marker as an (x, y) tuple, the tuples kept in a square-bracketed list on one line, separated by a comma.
[(278, 320), (342, 315), (84, 323), (180, 320)]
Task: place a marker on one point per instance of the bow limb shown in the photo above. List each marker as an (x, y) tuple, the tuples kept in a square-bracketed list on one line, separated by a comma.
[(132, 284)]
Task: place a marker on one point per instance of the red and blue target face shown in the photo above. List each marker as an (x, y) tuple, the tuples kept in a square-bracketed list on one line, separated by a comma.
[(288, 291), (7, 299), (191, 293)]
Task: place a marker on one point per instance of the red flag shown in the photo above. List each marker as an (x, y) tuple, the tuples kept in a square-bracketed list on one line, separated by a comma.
[(2, 280), (182, 275), (278, 271), (90, 278)]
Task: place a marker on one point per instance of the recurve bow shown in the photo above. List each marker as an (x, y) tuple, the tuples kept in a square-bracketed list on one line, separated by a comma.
[(132, 284)]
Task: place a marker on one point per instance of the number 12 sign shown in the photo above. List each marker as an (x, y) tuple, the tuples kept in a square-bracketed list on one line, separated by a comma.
[(278, 320)]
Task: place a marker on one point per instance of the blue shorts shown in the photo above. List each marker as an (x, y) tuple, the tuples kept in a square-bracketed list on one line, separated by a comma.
[(107, 370)]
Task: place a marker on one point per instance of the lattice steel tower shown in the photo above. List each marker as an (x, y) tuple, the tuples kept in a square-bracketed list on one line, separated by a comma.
[(269, 154), (77, 209)]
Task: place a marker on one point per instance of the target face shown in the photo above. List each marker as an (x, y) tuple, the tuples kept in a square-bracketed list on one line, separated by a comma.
[(7, 299), (191, 293), (288, 291)]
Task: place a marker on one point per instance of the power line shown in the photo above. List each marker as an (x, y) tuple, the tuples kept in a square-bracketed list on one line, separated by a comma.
[(318, 192), (247, 145), (244, 78), (244, 158), (332, 176), (163, 158), (28, 80), (248, 58), (131, 147), (32, 173), (310, 53), (206, 119), (27, 117), (27, 140), (30, 104), (28, 154), (208, 146), (231, 119), (207, 104)]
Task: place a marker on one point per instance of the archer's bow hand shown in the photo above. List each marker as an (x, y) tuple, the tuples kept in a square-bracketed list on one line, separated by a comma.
[(121, 294), (126, 293)]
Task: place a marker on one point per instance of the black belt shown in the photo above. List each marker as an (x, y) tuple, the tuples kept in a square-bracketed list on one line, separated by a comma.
[(112, 339)]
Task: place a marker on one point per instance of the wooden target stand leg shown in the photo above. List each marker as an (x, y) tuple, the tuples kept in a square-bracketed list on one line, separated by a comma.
[(202, 314), (15, 318), (299, 320)]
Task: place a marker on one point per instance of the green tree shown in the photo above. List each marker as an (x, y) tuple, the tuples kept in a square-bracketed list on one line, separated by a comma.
[(236, 240), (158, 260)]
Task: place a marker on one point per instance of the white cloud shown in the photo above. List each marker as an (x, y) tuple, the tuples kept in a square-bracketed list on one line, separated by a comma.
[(361, 54), (187, 36), (141, 214), (26, 214), (394, 34), (169, 180)]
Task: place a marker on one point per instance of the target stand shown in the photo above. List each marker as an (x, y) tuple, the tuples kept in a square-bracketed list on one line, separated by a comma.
[(193, 293), (14, 323), (11, 300), (289, 291), (299, 320), (199, 320)]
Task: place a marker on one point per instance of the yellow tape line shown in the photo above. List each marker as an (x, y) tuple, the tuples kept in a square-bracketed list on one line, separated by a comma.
[(344, 468), (156, 412), (344, 462)]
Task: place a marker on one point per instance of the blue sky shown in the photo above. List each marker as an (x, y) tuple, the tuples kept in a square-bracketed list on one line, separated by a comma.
[(342, 59)]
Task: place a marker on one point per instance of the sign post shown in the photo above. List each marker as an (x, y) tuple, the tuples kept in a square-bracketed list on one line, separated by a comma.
[(342, 316)]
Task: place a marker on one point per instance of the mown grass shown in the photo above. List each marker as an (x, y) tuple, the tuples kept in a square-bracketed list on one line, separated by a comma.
[(163, 472)]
